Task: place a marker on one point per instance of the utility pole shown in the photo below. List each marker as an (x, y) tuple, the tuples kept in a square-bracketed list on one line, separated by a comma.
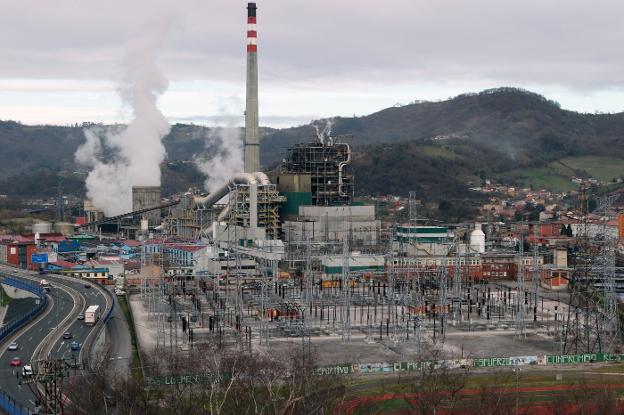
[(346, 290), (60, 214), (535, 283), (443, 299), (457, 280), (51, 374), (520, 286)]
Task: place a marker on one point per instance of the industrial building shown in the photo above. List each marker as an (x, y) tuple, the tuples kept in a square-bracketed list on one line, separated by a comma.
[(279, 250), (357, 224), (328, 165), (144, 197)]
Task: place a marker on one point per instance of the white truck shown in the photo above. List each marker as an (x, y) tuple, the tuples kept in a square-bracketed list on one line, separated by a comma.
[(92, 315)]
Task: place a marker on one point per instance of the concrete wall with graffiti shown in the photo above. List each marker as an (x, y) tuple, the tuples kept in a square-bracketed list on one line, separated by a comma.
[(543, 360)]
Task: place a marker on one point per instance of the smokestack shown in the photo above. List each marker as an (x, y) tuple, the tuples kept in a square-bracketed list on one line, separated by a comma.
[(252, 129)]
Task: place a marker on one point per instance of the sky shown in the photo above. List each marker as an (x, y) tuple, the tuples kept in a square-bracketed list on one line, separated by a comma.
[(61, 61)]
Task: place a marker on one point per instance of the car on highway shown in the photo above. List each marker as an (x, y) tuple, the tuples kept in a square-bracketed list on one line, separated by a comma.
[(67, 335), (87, 285), (27, 371), (74, 346), (16, 361), (81, 316), (13, 346)]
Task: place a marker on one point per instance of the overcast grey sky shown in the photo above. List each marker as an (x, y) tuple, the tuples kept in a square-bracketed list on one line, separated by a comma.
[(60, 60)]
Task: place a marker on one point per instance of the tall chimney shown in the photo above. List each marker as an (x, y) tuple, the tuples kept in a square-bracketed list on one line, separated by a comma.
[(252, 129)]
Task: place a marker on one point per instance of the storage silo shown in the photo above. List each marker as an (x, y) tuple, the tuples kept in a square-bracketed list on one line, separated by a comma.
[(42, 227), (144, 197), (65, 228), (477, 239)]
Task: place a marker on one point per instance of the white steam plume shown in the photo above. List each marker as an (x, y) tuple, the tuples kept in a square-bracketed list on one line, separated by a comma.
[(120, 158), (223, 155), (324, 135)]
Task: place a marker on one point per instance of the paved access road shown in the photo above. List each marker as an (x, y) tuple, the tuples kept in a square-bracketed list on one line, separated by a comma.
[(121, 344)]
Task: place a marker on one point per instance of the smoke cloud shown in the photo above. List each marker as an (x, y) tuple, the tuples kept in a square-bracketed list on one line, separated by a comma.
[(223, 153), (122, 157), (224, 156), (324, 135)]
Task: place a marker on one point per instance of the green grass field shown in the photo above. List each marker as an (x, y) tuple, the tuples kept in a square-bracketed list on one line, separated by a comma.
[(504, 379), (601, 168), (558, 174), (541, 178)]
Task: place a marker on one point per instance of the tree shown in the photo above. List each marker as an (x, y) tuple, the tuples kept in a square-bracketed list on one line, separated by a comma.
[(230, 382), (492, 398), (436, 385), (586, 399)]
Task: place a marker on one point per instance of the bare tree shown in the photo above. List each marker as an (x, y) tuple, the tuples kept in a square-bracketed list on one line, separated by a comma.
[(492, 397), (230, 382), (437, 385), (584, 399)]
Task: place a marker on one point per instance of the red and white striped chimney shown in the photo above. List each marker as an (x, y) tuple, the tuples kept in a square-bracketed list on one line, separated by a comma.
[(252, 35), (252, 129)]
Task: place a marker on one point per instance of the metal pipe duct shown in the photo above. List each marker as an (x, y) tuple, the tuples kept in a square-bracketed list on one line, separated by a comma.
[(340, 169), (250, 179), (262, 178)]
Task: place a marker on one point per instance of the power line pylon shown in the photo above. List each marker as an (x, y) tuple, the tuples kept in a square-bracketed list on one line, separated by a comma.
[(520, 324), (573, 333), (51, 373), (603, 271)]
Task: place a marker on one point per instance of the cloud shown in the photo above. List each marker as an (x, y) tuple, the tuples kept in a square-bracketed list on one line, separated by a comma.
[(332, 47), (275, 121), (522, 41)]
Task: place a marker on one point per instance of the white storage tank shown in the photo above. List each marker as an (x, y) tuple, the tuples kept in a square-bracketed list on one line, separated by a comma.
[(477, 239), (42, 227)]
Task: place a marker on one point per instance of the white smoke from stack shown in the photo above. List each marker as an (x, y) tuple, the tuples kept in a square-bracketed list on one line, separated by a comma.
[(225, 145), (224, 151), (324, 135), (122, 157)]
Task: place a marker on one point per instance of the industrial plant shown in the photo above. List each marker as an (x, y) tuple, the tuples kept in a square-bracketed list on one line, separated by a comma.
[(285, 258)]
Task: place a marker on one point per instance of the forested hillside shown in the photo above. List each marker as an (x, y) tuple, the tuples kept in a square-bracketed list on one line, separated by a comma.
[(436, 148)]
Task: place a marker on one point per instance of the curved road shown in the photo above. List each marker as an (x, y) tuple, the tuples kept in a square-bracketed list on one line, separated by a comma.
[(28, 339), (78, 329)]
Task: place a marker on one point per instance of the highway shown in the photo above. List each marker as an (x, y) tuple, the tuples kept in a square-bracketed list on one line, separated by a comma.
[(78, 329), (68, 298)]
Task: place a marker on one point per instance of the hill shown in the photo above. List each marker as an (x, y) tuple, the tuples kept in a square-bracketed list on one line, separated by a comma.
[(438, 149)]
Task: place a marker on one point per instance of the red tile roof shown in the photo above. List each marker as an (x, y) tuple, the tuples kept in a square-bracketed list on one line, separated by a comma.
[(132, 243), (19, 239), (188, 248), (64, 264)]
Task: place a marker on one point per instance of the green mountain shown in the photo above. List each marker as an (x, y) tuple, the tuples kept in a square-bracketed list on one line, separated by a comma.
[(441, 148), (438, 149)]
